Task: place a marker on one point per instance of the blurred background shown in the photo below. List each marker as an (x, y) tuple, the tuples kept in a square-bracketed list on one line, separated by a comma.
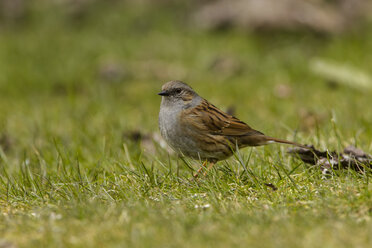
[(85, 73)]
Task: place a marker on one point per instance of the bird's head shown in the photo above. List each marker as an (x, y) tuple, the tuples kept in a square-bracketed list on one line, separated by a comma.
[(176, 91)]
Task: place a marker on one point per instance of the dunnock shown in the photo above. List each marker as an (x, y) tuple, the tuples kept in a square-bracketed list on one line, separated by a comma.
[(196, 128)]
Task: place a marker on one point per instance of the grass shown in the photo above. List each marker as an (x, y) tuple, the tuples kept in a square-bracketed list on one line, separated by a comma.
[(70, 177)]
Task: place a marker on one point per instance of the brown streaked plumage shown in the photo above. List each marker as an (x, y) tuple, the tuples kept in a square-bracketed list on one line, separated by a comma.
[(196, 128)]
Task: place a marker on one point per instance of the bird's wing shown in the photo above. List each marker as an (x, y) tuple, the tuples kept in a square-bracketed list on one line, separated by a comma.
[(207, 118)]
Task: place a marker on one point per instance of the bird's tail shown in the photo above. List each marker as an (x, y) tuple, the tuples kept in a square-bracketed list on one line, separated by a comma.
[(275, 140)]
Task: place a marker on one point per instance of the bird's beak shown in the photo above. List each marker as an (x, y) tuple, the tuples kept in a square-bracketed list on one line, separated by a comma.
[(163, 93)]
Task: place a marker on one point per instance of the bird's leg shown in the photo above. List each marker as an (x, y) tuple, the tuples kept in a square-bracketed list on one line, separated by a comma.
[(200, 169), (209, 167)]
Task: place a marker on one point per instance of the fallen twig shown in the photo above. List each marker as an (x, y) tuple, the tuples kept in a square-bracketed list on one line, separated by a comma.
[(350, 158)]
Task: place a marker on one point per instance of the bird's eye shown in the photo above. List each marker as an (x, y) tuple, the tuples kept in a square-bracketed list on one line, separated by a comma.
[(178, 91)]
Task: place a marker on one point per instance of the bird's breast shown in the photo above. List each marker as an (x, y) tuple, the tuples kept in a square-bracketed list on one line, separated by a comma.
[(168, 123), (173, 132)]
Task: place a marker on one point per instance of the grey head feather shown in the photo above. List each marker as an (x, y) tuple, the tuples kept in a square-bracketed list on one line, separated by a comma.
[(176, 84), (178, 95)]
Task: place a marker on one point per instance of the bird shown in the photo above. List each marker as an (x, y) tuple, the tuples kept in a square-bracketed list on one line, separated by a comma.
[(195, 128)]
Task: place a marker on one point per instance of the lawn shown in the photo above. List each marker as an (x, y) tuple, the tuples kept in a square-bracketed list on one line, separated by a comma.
[(76, 87)]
